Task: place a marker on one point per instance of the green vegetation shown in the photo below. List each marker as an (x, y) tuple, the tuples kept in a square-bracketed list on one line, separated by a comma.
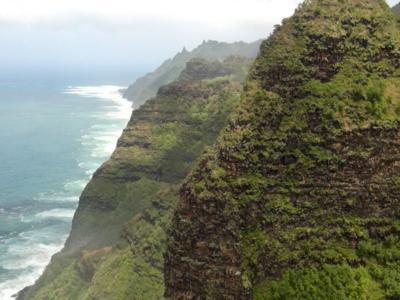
[(146, 87), (115, 249), (330, 282), (299, 197)]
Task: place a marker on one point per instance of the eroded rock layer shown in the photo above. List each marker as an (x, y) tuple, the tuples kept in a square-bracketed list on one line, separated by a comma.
[(115, 249), (300, 197)]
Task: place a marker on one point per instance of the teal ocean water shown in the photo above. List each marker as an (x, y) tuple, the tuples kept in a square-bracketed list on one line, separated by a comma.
[(54, 133)]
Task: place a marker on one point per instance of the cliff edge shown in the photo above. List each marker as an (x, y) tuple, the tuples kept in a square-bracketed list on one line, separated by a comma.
[(299, 199), (117, 240)]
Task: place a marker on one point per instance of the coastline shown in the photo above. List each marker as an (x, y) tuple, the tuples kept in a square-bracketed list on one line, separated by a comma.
[(97, 143)]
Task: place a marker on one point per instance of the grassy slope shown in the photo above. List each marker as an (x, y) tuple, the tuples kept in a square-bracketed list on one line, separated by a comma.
[(146, 87), (300, 197), (117, 239)]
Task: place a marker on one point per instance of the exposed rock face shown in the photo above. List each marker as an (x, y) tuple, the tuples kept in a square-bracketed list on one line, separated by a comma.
[(299, 199), (115, 247), (147, 86), (396, 8)]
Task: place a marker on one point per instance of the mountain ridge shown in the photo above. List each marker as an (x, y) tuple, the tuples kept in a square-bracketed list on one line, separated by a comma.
[(146, 86), (115, 247), (297, 199)]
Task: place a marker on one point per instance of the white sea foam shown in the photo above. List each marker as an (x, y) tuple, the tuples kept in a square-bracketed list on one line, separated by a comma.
[(101, 142), (101, 139), (55, 197), (29, 252), (122, 107), (10, 287), (35, 257), (58, 213), (75, 185), (88, 166)]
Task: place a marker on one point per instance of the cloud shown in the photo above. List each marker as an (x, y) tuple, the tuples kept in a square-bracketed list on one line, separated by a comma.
[(218, 13), (393, 2), (126, 33)]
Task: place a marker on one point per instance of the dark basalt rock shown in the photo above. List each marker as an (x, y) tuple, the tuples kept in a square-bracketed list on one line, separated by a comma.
[(300, 198), (118, 235)]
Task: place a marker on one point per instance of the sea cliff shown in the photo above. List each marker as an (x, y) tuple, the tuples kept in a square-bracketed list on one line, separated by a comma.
[(115, 249), (299, 199), (147, 86)]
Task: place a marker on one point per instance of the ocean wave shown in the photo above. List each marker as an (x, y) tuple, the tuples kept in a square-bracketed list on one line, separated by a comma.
[(102, 91), (10, 287), (121, 109), (29, 258), (101, 139), (54, 197), (59, 213), (36, 257), (28, 252), (88, 166), (101, 143), (75, 185)]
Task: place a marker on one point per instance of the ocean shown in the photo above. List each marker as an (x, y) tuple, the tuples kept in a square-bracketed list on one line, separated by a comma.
[(54, 133)]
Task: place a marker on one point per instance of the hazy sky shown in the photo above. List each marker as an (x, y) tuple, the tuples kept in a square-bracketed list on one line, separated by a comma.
[(125, 33)]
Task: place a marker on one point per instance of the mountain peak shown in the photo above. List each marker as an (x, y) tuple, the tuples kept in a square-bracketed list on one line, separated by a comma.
[(325, 36), (146, 87), (300, 189)]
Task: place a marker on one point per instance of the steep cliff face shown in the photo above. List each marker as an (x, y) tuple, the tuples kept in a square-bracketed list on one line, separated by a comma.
[(115, 247), (146, 87), (396, 9), (299, 199)]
